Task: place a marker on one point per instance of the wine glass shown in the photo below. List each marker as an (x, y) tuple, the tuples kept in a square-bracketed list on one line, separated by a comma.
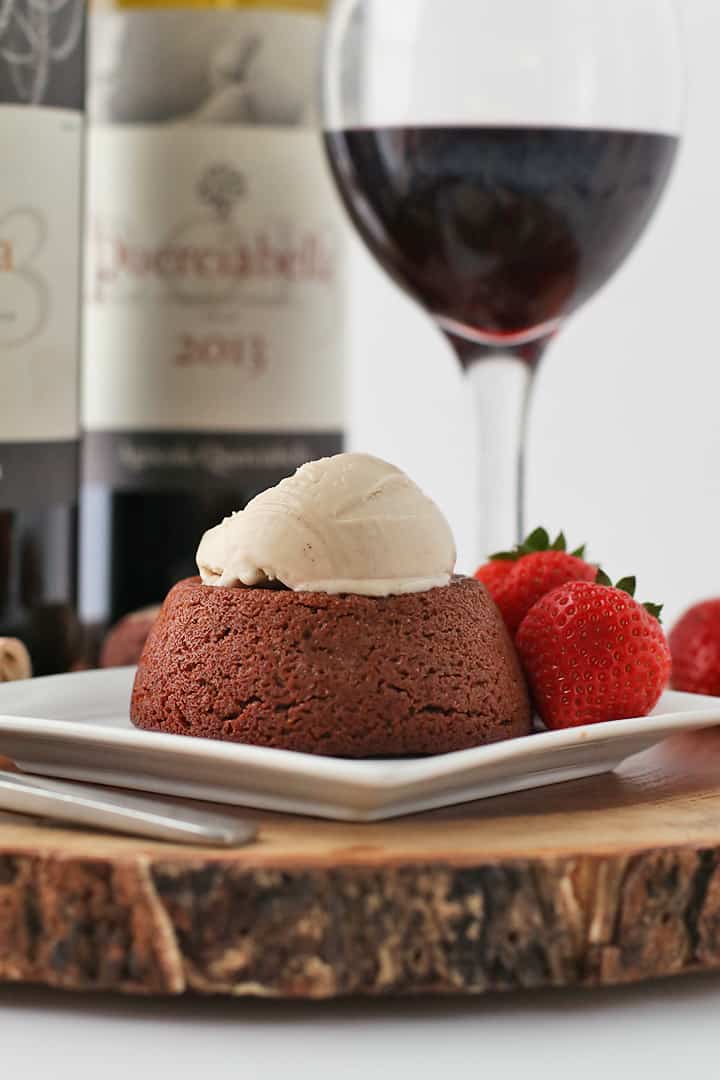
[(501, 158)]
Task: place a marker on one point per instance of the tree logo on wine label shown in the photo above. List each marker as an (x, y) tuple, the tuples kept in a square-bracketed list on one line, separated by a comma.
[(211, 264), (24, 298), (220, 257), (220, 187)]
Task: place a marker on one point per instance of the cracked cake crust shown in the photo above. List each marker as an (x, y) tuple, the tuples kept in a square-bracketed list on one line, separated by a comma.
[(349, 676)]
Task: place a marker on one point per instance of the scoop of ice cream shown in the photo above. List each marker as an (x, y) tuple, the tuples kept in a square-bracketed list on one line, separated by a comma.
[(346, 524), (15, 663)]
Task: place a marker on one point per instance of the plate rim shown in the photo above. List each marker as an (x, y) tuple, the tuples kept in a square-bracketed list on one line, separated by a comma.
[(394, 775)]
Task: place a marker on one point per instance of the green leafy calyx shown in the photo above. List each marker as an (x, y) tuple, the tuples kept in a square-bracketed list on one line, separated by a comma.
[(628, 585), (538, 540)]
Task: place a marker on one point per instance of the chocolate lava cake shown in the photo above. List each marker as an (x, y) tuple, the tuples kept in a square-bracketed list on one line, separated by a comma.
[(344, 675)]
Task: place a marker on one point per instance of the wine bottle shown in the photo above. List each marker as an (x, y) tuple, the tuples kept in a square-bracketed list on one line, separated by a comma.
[(213, 358), (42, 76)]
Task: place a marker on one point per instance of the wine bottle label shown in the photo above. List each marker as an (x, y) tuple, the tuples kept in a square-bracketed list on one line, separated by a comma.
[(214, 265), (41, 127)]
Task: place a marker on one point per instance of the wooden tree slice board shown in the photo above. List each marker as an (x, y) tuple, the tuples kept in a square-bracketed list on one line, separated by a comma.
[(599, 881)]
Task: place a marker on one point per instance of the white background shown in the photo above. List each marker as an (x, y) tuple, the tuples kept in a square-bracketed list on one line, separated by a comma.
[(662, 1031), (625, 440)]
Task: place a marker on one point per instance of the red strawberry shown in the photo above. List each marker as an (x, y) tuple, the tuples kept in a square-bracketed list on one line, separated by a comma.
[(535, 568), (591, 653), (695, 648), (493, 573)]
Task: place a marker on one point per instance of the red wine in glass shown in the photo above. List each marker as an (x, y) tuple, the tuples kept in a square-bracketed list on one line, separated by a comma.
[(501, 232), (501, 158)]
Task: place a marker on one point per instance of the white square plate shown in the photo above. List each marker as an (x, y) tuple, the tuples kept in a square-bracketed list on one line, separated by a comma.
[(77, 726)]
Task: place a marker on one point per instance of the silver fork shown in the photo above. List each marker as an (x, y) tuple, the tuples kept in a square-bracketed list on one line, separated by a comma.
[(102, 808)]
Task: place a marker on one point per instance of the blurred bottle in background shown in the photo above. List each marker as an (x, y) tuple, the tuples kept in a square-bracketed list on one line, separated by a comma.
[(42, 75), (214, 284)]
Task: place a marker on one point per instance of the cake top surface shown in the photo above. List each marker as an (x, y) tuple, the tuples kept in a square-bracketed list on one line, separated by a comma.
[(352, 523)]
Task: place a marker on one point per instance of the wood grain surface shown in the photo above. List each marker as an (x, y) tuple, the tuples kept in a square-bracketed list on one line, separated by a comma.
[(606, 880)]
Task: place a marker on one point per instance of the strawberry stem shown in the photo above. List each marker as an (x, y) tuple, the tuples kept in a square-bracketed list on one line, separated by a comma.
[(538, 540), (628, 585)]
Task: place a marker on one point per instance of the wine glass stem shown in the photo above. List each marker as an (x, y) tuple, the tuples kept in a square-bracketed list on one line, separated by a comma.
[(501, 387)]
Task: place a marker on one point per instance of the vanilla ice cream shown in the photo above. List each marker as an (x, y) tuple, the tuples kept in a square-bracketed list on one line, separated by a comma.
[(346, 524)]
